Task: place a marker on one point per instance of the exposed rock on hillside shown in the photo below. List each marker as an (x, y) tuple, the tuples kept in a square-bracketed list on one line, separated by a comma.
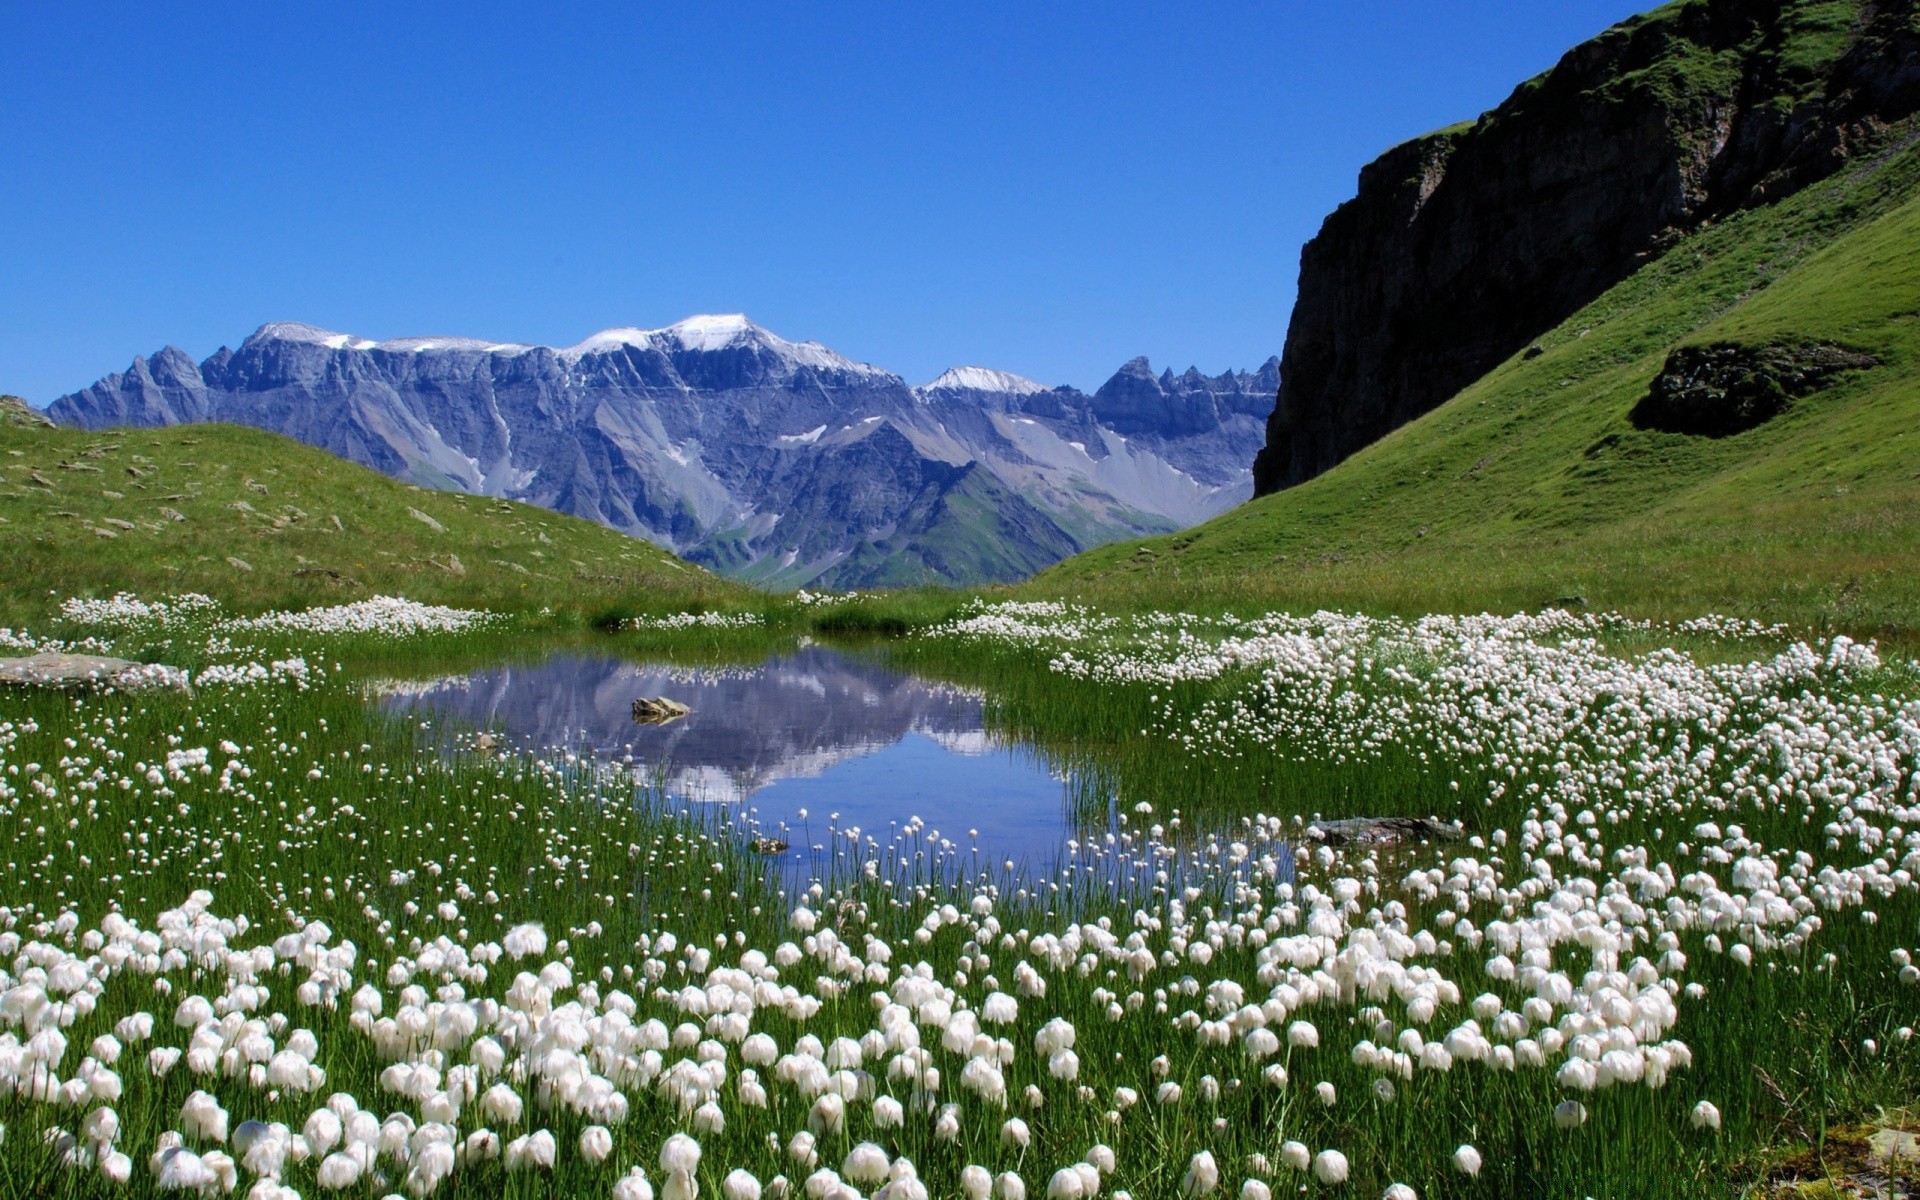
[(14, 411), (1726, 388), (1463, 246)]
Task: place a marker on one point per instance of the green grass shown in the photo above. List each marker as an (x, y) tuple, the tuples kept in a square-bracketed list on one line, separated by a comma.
[(390, 828), (1531, 487), (259, 521)]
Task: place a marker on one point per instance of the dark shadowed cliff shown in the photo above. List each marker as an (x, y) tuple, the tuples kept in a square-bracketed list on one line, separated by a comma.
[(1463, 246)]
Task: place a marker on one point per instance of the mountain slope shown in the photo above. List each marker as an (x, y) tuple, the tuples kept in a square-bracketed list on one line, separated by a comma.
[(767, 459), (260, 521), (1537, 484), (1463, 246)]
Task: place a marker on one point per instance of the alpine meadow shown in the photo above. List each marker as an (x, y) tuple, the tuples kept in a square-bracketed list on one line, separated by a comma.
[(1473, 753)]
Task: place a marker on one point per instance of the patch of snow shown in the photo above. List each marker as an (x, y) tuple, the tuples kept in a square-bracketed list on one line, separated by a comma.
[(983, 379), (702, 334), (710, 332), (294, 331), (1081, 447), (801, 439)]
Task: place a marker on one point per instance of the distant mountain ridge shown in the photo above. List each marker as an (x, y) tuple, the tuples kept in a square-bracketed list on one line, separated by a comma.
[(767, 459)]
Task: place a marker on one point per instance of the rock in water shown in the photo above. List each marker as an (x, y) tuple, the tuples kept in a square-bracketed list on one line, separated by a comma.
[(1382, 831), (658, 710), (89, 672)]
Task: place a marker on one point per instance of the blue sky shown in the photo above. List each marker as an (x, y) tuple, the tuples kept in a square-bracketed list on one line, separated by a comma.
[(1043, 188)]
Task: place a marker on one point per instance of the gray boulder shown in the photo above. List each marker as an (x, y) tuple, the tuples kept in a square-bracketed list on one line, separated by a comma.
[(89, 672)]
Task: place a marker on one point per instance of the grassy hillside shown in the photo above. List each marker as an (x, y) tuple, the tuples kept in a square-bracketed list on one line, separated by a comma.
[(1534, 485), (260, 521)]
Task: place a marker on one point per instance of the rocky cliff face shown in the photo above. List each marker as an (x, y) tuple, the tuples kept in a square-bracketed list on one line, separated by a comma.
[(767, 459), (1463, 246)]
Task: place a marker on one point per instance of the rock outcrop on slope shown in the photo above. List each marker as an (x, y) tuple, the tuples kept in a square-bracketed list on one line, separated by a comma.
[(1463, 246), (766, 459)]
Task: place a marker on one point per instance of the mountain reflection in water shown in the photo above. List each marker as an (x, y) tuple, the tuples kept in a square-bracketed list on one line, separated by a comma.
[(845, 742)]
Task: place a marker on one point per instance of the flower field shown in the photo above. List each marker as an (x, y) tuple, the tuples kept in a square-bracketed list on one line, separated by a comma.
[(260, 939)]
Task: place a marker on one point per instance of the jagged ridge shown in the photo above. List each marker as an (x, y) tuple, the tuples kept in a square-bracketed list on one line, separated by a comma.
[(778, 461)]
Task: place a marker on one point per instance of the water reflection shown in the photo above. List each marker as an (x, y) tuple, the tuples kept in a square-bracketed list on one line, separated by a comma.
[(810, 745)]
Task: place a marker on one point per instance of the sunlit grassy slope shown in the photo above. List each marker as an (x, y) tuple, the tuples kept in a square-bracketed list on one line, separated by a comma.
[(258, 520), (1532, 486)]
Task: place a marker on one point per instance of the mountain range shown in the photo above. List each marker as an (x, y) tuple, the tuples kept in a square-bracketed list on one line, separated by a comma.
[(769, 460)]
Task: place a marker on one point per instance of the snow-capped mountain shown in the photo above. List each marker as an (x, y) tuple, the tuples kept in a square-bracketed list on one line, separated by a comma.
[(763, 458)]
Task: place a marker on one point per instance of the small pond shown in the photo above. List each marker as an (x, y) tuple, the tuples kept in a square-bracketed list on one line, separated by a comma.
[(800, 747)]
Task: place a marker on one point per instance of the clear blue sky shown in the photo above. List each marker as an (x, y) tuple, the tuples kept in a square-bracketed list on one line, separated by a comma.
[(1044, 188)]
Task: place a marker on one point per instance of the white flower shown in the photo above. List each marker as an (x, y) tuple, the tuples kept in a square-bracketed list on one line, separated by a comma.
[(633, 1186), (1009, 1186), (740, 1184), (1706, 1116), (525, 940), (680, 1155), (1569, 1114), (203, 1118), (975, 1182), (1014, 1134), (339, 1170), (1202, 1177), (1467, 1160), (596, 1143), (866, 1164), (531, 1151), (1330, 1167)]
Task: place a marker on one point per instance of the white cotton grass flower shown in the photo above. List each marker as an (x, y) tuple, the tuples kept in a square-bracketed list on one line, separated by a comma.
[(202, 1118), (1202, 1175), (1296, 1155), (740, 1184), (1009, 1186), (633, 1186), (596, 1143), (1466, 1160), (1015, 1135), (1330, 1167), (1066, 1184), (1569, 1114), (338, 1171), (866, 1164), (680, 1155), (1706, 1115), (531, 1151), (525, 941), (1255, 1189), (1399, 1191), (976, 1183)]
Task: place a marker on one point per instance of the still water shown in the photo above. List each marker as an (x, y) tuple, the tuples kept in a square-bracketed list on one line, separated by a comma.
[(806, 745)]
